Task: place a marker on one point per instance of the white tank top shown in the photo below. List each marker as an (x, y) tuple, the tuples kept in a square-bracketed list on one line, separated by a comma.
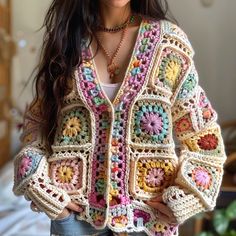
[(111, 89)]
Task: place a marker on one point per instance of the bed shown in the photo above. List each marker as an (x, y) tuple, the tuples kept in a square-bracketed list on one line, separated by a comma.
[(16, 217)]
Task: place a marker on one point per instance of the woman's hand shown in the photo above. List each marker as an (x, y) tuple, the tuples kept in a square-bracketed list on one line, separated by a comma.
[(71, 206), (64, 214), (164, 212)]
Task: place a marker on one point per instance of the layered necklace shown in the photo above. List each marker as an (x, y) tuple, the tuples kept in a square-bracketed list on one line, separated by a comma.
[(112, 67)]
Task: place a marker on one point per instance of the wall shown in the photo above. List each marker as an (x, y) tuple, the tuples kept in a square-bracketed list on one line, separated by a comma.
[(212, 32), (27, 18)]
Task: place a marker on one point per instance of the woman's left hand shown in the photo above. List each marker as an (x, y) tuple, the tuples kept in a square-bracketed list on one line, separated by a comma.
[(164, 212)]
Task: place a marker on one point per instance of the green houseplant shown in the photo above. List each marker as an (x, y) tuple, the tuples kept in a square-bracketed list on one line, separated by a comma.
[(221, 222)]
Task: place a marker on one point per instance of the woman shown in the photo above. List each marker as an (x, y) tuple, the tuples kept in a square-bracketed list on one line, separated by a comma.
[(115, 79)]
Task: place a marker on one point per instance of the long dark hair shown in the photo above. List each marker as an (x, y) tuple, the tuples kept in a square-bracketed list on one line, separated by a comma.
[(66, 24)]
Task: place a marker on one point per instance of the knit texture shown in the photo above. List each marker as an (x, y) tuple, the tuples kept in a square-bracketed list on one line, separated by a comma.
[(31, 168), (110, 157)]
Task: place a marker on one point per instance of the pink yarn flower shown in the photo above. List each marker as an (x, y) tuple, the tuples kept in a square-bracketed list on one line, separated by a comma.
[(102, 202), (141, 214), (155, 177), (92, 198), (204, 102), (202, 177), (125, 200), (24, 165), (102, 107), (152, 123), (90, 85)]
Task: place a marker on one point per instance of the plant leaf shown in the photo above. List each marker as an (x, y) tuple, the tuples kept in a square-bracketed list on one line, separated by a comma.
[(231, 211), (205, 234), (220, 221), (230, 233)]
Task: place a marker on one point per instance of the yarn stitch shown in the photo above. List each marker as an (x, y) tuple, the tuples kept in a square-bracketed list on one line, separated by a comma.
[(110, 157)]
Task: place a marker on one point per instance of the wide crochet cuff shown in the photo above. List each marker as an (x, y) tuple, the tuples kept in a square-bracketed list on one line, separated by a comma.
[(183, 205), (31, 180)]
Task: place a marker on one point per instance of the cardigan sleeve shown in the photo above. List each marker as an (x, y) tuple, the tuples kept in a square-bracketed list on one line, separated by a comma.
[(202, 154), (31, 169)]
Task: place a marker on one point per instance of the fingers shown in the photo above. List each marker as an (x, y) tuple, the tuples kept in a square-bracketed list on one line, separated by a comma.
[(34, 207), (163, 217), (161, 207), (164, 212), (167, 219), (74, 207), (157, 199), (32, 204), (63, 214)]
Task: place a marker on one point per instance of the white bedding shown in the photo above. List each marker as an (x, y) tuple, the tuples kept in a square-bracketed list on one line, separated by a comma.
[(16, 217)]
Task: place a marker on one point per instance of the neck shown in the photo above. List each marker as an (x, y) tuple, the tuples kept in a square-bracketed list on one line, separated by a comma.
[(112, 16)]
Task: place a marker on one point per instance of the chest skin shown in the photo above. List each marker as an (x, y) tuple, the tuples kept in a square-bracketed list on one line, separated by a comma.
[(110, 42)]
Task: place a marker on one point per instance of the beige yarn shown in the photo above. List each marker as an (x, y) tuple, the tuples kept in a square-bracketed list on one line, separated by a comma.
[(110, 157)]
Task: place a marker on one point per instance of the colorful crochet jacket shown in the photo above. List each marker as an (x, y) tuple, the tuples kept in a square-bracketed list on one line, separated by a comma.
[(111, 156)]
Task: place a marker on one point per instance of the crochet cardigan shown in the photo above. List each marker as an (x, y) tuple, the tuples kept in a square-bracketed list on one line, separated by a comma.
[(111, 156)]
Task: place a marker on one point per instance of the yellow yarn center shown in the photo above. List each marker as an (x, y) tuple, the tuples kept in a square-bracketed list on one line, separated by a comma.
[(72, 127), (172, 71), (65, 174)]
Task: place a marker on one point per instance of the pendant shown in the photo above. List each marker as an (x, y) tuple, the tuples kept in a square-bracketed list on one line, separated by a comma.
[(113, 71)]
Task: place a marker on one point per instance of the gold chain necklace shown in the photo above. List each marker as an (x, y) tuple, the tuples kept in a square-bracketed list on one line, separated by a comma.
[(117, 28), (112, 68)]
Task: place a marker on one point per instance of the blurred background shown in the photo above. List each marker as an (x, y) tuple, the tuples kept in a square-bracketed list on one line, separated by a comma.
[(210, 26)]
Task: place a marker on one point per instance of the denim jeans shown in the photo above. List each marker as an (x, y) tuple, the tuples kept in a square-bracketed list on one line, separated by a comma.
[(70, 226)]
